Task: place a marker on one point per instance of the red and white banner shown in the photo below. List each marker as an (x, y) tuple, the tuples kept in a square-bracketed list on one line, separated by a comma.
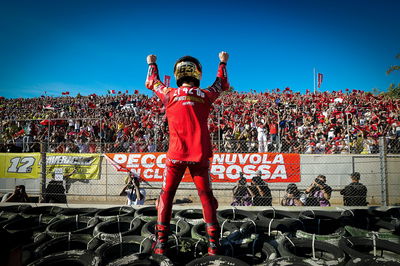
[(320, 78), (225, 167)]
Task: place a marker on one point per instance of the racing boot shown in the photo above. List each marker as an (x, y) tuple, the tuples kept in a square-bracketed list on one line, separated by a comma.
[(160, 246), (213, 233)]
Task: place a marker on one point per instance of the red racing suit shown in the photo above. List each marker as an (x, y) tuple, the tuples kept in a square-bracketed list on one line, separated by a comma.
[(187, 111)]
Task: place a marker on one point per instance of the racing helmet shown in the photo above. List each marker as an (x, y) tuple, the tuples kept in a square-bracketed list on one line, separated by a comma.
[(187, 69)]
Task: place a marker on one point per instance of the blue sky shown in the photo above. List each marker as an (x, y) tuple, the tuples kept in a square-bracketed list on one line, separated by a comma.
[(89, 46)]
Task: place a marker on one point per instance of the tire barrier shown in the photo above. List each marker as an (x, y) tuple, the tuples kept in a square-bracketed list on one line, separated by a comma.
[(217, 260), (372, 262), (362, 247), (113, 212), (73, 257), (11, 210), (198, 231), (72, 212), (73, 225), (185, 249), (26, 229), (142, 259), (46, 213), (191, 216), (67, 243), (269, 237), (321, 223), (114, 229), (178, 227), (282, 221), (110, 251), (147, 214), (235, 216), (257, 253), (324, 253)]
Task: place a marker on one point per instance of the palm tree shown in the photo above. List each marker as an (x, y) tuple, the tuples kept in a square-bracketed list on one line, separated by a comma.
[(393, 68)]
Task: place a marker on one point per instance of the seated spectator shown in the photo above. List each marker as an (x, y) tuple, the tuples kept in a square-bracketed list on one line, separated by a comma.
[(318, 193), (259, 191), (241, 195), (134, 193), (355, 194), (293, 196), (19, 195)]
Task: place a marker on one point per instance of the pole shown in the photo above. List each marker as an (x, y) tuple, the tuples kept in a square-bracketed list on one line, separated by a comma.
[(383, 171), (314, 81)]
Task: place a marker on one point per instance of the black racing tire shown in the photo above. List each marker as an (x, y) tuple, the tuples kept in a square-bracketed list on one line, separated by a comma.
[(46, 213), (25, 225), (330, 238), (374, 261), (295, 247), (361, 247), (235, 216), (67, 258), (113, 250), (283, 221), (72, 212), (217, 260), (113, 212), (320, 222), (113, 229), (185, 249), (67, 243), (272, 213), (147, 214), (142, 259), (10, 210), (73, 225), (28, 250), (297, 261), (9, 218), (257, 253), (358, 232), (192, 216), (148, 228), (198, 231)]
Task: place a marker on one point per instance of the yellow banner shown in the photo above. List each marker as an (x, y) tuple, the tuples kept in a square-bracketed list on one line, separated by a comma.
[(19, 165), (73, 165)]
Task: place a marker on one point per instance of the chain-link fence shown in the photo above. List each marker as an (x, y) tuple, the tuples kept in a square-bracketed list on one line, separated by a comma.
[(334, 156)]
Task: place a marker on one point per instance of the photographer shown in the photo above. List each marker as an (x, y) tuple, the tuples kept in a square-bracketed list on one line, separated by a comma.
[(135, 194), (259, 191), (19, 195), (293, 196), (241, 195), (318, 193)]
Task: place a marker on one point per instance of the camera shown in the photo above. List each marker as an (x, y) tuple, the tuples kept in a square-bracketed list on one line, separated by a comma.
[(319, 181)]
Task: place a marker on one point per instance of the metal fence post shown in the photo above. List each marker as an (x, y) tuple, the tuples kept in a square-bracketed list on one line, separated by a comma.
[(43, 149), (383, 170)]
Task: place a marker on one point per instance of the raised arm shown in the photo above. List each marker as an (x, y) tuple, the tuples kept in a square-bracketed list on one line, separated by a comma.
[(153, 81), (221, 82)]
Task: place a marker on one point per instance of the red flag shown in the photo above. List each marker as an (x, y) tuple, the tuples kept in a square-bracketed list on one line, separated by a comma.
[(320, 78), (167, 80), (136, 92), (126, 91)]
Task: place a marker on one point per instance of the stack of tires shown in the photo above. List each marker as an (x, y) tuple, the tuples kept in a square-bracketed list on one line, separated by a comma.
[(50, 235)]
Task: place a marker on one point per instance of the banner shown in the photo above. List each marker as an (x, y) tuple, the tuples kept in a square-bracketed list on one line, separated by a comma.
[(85, 165), (320, 78), (19, 165), (225, 167)]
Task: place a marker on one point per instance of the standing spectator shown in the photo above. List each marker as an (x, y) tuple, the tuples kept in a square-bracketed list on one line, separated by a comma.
[(134, 193), (318, 192), (293, 196), (262, 136), (355, 194), (241, 195), (55, 191), (259, 191)]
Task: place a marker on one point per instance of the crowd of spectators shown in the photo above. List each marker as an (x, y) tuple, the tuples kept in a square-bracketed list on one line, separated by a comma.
[(320, 123)]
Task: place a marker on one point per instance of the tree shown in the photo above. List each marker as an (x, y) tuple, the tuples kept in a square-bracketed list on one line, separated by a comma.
[(394, 90)]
